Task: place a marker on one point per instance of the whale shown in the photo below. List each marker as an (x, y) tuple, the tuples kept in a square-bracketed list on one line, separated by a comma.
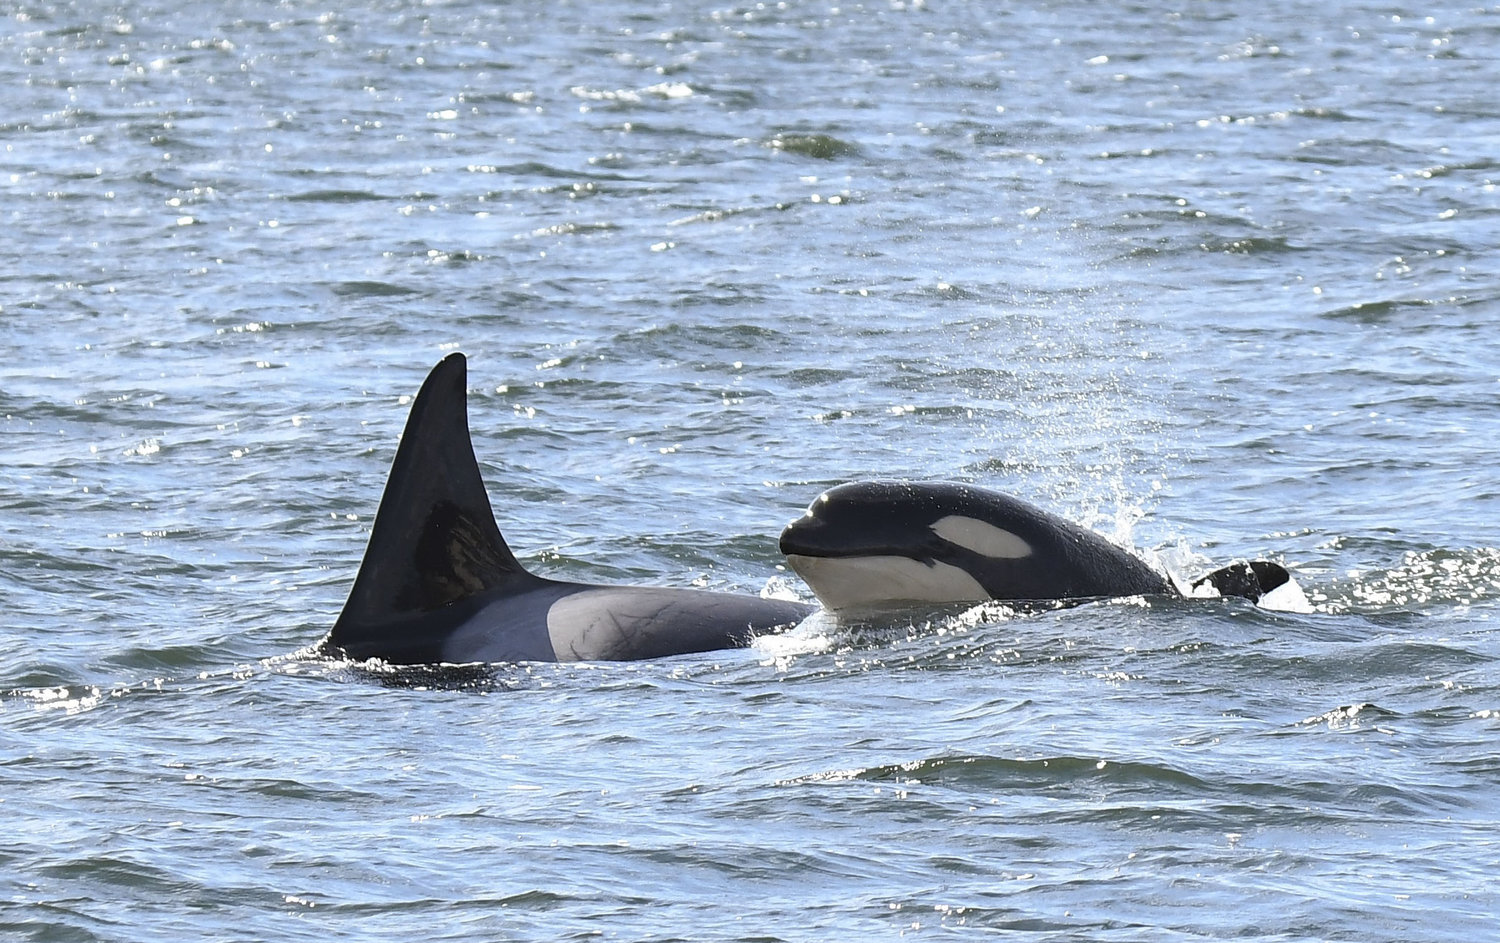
[(439, 585), (887, 542)]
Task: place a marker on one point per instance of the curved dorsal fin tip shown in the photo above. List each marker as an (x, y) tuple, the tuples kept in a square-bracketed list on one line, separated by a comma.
[(449, 378)]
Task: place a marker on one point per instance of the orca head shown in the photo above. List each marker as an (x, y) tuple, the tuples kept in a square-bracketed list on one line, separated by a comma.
[(885, 541)]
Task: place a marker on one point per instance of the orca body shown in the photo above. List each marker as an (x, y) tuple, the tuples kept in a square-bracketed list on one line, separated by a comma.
[(884, 542), (439, 585)]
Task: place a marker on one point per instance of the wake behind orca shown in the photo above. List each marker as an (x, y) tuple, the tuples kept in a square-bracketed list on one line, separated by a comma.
[(439, 585), (885, 542)]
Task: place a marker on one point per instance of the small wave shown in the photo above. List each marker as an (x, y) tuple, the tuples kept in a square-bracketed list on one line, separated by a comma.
[(661, 90), (1007, 774), (1351, 717), (714, 215), (475, 678), (118, 871), (1250, 245), (371, 289), (570, 229), (817, 146), (335, 196), (1381, 312), (80, 698), (67, 699)]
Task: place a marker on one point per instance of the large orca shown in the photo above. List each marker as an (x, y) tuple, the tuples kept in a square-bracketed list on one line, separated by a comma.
[(438, 585), (869, 544)]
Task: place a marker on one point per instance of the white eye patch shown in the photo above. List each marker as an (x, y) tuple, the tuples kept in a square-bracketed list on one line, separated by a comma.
[(980, 537)]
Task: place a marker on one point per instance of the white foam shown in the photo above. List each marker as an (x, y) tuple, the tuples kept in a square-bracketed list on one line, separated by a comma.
[(811, 636), (1288, 597)]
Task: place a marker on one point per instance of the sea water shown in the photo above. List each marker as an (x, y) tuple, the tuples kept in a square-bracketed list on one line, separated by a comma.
[(1217, 280)]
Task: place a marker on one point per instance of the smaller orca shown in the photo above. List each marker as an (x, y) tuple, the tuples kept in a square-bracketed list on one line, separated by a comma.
[(439, 585), (871, 543)]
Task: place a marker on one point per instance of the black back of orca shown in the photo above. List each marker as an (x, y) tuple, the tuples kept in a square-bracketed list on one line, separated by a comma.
[(870, 542), (438, 584)]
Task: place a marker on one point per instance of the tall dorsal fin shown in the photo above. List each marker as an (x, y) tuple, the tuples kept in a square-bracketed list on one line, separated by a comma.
[(435, 540)]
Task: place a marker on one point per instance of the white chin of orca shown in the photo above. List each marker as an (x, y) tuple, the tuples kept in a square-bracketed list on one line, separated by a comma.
[(855, 582)]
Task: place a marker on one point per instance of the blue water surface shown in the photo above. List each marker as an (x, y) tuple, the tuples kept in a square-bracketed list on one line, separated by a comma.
[(1216, 280)]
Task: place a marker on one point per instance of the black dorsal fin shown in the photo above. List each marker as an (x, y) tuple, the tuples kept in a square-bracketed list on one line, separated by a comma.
[(435, 540)]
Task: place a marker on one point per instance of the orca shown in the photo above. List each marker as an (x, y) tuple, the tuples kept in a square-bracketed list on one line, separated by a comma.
[(884, 542), (439, 585)]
